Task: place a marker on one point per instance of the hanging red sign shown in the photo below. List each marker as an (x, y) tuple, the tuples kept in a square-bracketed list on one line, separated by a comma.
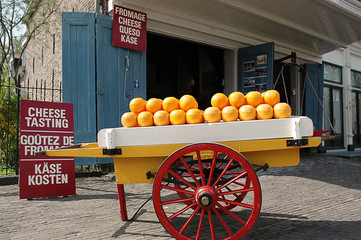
[(45, 126), (129, 28)]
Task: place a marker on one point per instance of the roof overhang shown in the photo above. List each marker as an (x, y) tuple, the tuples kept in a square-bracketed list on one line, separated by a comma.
[(312, 26)]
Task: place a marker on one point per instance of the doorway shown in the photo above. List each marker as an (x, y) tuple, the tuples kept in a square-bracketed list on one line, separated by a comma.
[(288, 82), (176, 67), (282, 81)]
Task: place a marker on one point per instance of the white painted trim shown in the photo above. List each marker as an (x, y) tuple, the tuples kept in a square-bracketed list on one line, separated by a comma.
[(346, 7), (355, 48), (333, 84), (347, 103), (191, 28), (293, 127), (239, 5)]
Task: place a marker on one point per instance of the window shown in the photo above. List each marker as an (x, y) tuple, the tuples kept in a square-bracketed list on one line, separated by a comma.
[(356, 107), (356, 79), (333, 73), (333, 104)]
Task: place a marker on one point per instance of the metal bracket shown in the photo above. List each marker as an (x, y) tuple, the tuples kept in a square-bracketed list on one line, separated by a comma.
[(293, 58), (297, 143), (113, 151), (150, 175), (261, 167)]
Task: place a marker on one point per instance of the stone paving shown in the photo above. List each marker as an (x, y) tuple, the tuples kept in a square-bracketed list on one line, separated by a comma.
[(317, 200)]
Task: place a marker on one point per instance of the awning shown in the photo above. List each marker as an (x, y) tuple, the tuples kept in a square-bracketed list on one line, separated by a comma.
[(315, 26)]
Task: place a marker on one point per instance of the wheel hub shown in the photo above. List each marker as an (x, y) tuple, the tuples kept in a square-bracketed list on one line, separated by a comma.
[(206, 197)]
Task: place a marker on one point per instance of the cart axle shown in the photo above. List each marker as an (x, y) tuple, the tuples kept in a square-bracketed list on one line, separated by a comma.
[(260, 167)]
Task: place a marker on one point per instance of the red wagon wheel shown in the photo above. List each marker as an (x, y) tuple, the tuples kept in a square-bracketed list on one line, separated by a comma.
[(238, 197), (210, 179)]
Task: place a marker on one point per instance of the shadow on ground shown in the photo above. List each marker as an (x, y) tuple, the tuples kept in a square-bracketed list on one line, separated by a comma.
[(269, 226), (323, 167), (281, 226)]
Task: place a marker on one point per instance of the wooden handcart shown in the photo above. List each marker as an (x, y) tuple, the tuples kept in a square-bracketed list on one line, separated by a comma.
[(204, 175)]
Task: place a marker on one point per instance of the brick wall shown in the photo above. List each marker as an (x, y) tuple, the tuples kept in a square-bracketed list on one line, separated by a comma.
[(43, 53)]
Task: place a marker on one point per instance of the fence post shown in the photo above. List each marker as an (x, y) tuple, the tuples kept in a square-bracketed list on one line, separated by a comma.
[(52, 86), (60, 87), (36, 90), (45, 89), (18, 92), (28, 91), (8, 132), (11, 161), (41, 89)]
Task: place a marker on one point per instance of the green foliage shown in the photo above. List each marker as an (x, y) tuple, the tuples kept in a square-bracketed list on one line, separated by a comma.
[(10, 171), (8, 118)]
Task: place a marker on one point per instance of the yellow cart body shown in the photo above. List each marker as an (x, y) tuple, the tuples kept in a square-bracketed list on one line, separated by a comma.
[(198, 164)]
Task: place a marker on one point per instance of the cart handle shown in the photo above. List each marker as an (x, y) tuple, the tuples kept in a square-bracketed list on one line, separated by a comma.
[(43, 153), (76, 150)]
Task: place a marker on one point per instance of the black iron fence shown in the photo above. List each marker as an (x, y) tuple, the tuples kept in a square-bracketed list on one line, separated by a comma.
[(11, 93)]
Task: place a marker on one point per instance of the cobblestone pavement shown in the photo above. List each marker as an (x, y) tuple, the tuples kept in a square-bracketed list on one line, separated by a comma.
[(318, 199)]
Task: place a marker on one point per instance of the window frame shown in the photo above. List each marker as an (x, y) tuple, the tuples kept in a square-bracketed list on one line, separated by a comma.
[(332, 85), (330, 81)]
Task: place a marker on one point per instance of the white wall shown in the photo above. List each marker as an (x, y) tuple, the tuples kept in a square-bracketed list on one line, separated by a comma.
[(349, 59)]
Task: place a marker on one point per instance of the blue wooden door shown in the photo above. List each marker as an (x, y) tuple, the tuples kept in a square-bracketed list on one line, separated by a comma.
[(78, 53), (98, 78), (121, 76), (255, 68), (314, 94)]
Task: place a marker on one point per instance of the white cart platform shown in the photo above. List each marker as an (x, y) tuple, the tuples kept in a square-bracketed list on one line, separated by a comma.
[(293, 127)]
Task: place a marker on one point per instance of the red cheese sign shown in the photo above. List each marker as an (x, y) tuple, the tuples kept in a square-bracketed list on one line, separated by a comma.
[(129, 28), (45, 126)]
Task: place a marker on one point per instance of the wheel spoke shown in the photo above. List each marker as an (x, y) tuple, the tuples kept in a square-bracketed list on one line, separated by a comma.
[(220, 164), (222, 173), (201, 167), (231, 214), (213, 184), (189, 220), (213, 166), (236, 203), (190, 171), (177, 201), (195, 175), (222, 221), (200, 224), (196, 169), (181, 179), (177, 189), (235, 191), (233, 173), (231, 181), (238, 183), (211, 223), (182, 211), (229, 190)]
